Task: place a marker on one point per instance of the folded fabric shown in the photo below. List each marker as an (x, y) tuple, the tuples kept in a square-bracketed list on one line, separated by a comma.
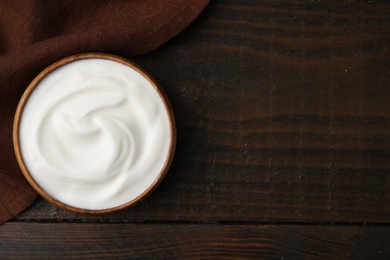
[(36, 33)]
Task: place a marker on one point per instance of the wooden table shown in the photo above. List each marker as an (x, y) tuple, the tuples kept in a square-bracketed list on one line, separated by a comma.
[(283, 117)]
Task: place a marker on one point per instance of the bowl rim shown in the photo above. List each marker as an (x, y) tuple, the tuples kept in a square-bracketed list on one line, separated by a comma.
[(35, 82)]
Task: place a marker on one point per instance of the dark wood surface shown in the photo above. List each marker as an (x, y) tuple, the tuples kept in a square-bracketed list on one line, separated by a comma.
[(283, 119), (177, 241)]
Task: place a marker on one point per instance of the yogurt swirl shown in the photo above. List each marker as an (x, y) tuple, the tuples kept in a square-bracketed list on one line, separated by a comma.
[(95, 134)]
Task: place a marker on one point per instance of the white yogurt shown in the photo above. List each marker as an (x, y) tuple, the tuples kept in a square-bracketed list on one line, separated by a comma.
[(95, 134)]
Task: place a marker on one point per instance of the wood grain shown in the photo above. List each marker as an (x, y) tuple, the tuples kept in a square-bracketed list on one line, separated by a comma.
[(283, 114), (137, 241)]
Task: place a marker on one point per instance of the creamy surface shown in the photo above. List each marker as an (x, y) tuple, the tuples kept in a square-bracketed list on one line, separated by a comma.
[(95, 134)]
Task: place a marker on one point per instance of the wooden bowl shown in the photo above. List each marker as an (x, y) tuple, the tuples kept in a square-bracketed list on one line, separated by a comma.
[(36, 82)]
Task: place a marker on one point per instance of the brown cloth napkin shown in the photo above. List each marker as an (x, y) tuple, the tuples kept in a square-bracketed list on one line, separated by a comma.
[(36, 33)]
